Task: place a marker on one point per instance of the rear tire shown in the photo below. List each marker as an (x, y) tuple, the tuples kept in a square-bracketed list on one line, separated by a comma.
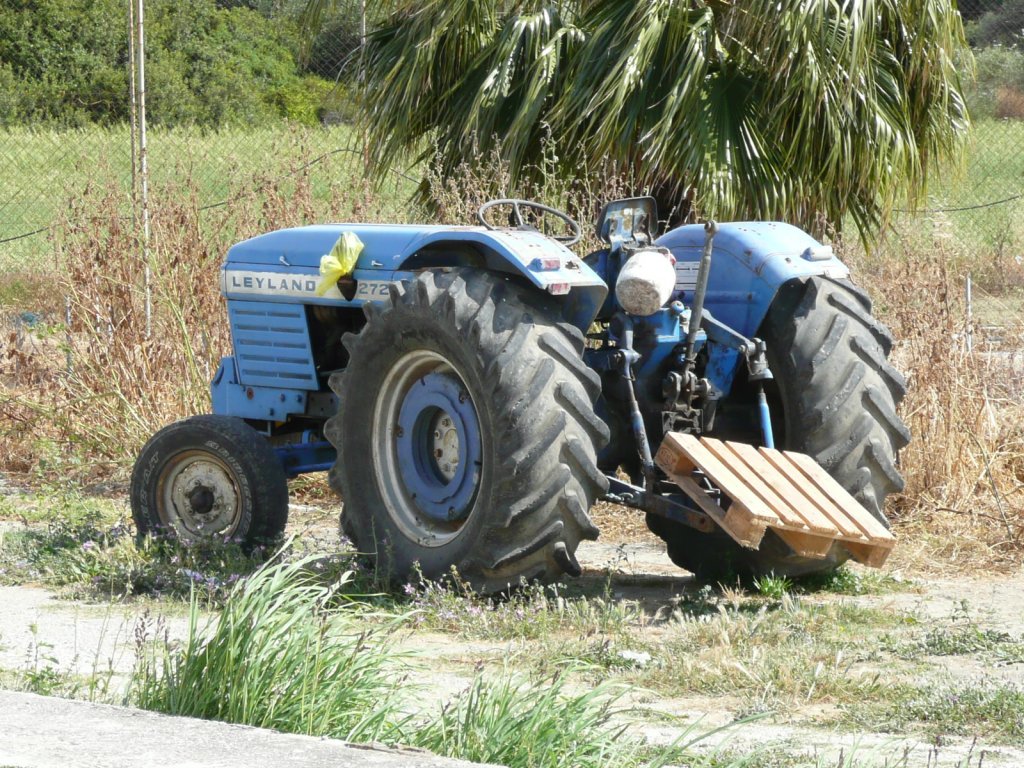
[(466, 433), (835, 398)]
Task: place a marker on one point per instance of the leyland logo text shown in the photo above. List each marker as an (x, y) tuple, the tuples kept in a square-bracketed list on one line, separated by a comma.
[(270, 283)]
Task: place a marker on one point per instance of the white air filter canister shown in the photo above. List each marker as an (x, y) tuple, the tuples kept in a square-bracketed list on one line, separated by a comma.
[(646, 281)]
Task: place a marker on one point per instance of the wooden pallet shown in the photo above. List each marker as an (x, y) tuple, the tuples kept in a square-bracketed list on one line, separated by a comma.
[(782, 490)]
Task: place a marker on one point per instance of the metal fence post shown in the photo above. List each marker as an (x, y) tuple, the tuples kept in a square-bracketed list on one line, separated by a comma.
[(969, 331), (144, 169)]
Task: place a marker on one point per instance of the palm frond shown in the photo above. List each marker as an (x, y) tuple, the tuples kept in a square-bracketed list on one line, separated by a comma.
[(803, 110)]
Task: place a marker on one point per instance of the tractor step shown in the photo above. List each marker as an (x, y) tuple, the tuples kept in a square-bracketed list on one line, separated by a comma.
[(782, 490)]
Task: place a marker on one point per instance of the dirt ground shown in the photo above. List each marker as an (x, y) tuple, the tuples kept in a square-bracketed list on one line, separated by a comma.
[(38, 629)]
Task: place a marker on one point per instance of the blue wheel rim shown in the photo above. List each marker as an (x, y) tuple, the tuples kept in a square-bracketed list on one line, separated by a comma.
[(438, 446), (426, 448)]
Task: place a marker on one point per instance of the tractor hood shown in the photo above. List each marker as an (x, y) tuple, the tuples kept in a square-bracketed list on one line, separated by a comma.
[(389, 246), (303, 246)]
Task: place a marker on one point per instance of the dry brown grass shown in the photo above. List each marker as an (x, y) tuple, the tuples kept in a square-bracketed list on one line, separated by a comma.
[(1009, 103), (964, 467), (78, 401)]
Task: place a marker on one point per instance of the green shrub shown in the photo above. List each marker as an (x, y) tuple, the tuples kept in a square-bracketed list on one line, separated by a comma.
[(302, 100), (508, 722), (1003, 25), (65, 62), (1000, 76)]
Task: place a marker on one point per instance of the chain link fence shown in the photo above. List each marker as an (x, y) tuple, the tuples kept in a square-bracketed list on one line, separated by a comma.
[(44, 172), (206, 137)]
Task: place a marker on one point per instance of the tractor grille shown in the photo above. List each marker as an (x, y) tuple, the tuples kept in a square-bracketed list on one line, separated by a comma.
[(271, 343)]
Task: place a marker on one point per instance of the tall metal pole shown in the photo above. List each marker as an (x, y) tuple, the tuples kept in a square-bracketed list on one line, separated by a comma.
[(362, 27), (362, 77), (133, 114), (144, 168)]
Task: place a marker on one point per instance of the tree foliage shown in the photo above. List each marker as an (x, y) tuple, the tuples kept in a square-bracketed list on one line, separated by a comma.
[(1001, 25), (207, 63), (804, 110)]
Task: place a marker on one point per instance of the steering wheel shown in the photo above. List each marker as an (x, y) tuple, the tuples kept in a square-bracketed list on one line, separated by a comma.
[(520, 223)]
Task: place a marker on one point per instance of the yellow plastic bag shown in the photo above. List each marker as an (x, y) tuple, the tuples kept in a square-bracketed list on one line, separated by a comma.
[(339, 262)]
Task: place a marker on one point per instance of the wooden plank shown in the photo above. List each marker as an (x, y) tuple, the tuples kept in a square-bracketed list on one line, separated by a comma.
[(761, 474), (740, 526), (871, 527), (812, 516), (806, 544), (739, 467), (671, 456), (872, 554), (696, 455), (846, 527)]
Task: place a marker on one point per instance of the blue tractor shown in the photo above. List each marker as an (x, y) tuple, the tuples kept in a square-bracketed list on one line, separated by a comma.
[(473, 391)]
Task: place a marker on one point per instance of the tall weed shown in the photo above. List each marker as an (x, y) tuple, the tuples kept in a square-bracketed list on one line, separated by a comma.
[(285, 653), (291, 651), (88, 377)]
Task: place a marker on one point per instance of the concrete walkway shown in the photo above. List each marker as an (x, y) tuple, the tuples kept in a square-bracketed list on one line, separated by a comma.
[(44, 732)]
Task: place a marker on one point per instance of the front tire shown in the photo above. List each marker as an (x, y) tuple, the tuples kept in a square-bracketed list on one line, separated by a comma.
[(466, 434), (209, 478), (835, 398)]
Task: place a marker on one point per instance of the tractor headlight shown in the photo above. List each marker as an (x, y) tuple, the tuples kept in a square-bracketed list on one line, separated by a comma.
[(646, 281)]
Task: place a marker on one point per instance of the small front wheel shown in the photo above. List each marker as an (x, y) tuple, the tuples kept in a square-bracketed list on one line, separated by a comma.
[(207, 478)]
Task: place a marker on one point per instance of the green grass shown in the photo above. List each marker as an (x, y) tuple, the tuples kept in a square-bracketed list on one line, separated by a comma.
[(981, 708), (86, 547), (855, 581), (963, 640), (533, 612), (289, 652), (283, 654), (773, 587), (46, 172), (993, 170), (60, 506), (785, 654)]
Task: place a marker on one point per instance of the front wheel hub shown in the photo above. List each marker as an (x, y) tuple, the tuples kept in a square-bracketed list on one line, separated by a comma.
[(199, 496)]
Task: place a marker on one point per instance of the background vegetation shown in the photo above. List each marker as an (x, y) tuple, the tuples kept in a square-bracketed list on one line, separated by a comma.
[(208, 63)]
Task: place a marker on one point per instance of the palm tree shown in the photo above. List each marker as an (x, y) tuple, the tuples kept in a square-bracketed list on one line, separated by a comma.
[(801, 110)]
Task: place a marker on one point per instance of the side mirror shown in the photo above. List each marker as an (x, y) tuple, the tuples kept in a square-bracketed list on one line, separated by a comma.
[(630, 219)]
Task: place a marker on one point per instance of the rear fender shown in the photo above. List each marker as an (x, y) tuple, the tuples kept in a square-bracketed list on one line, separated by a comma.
[(546, 263), (750, 262)]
